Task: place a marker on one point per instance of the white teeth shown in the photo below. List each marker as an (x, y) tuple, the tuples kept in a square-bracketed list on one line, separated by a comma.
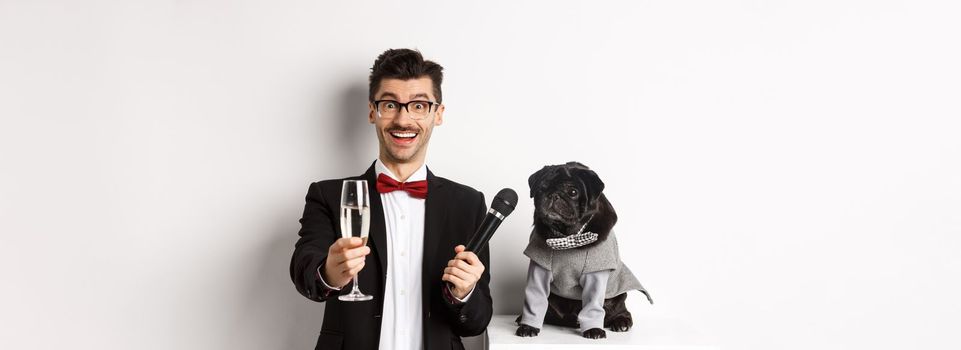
[(404, 135)]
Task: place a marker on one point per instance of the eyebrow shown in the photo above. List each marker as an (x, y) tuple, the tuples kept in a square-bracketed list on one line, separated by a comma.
[(387, 94), (412, 97)]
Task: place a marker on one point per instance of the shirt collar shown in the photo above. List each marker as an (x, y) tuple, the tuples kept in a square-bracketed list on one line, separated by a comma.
[(419, 174)]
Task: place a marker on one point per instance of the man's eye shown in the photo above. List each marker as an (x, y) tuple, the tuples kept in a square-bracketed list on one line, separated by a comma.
[(420, 106), (390, 105)]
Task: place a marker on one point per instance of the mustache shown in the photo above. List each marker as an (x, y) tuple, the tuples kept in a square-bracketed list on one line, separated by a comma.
[(404, 130)]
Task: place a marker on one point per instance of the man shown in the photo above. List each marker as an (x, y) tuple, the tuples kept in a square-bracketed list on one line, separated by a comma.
[(428, 292)]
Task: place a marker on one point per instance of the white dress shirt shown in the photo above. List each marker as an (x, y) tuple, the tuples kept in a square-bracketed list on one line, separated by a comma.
[(401, 322)]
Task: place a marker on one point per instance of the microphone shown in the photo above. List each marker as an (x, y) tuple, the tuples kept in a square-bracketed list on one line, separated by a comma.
[(502, 206)]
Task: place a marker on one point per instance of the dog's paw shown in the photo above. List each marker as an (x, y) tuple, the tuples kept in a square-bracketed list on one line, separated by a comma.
[(621, 324), (595, 333), (527, 331)]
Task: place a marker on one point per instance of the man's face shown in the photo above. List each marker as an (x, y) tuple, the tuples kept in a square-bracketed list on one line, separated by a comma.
[(403, 139)]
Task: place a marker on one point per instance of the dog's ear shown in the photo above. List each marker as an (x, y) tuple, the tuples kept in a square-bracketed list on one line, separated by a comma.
[(604, 219), (592, 182), (536, 177)]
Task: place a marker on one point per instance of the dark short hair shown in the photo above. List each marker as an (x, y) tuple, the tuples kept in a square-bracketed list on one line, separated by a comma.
[(404, 64)]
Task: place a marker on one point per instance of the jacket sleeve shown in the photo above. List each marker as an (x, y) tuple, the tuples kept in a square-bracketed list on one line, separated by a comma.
[(472, 317), (316, 235)]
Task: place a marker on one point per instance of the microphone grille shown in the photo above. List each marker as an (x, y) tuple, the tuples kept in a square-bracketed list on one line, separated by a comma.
[(505, 201)]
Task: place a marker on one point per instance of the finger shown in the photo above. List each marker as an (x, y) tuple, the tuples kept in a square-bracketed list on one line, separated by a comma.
[(466, 276), (466, 256), (472, 258), (456, 281), (349, 242), (461, 264), (354, 271), (459, 248), (339, 257), (356, 252), (348, 270), (458, 262), (349, 264)]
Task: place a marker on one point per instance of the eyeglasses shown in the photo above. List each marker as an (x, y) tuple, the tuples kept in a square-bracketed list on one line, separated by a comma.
[(415, 109)]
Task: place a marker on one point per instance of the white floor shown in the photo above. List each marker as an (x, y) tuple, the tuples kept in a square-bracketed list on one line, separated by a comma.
[(650, 333)]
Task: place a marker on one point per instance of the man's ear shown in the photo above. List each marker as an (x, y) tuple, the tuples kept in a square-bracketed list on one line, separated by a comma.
[(439, 115), (372, 116), (536, 177)]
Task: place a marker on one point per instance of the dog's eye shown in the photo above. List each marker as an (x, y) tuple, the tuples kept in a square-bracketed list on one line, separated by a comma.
[(572, 193)]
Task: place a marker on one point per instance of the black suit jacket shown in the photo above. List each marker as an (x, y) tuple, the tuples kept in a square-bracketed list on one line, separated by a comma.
[(452, 213)]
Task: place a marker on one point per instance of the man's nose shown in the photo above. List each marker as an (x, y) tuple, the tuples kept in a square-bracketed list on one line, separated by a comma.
[(403, 115)]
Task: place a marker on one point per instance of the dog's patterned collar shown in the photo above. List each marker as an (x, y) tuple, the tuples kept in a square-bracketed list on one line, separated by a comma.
[(578, 239)]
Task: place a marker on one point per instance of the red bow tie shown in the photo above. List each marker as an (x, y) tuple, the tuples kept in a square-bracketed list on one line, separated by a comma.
[(416, 189)]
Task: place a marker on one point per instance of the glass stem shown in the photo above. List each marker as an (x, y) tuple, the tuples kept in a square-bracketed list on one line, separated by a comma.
[(356, 289)]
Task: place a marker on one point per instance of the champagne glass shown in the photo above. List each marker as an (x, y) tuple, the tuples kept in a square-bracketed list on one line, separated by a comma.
[(355, 222)]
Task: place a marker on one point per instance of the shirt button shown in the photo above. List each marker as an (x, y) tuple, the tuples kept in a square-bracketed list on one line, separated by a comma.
[(403, 217), (403, 253), (402, 292)]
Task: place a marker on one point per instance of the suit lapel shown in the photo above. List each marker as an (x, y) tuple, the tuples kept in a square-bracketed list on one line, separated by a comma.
[(435, 214), (378, 227)]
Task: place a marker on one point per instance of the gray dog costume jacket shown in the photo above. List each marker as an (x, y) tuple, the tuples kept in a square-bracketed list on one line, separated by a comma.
[(577, 274)]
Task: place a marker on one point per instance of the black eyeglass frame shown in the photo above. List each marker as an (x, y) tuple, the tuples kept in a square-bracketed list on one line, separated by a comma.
[(430, 106)]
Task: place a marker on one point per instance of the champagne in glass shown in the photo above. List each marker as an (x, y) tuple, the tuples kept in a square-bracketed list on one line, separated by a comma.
[(355, 222)]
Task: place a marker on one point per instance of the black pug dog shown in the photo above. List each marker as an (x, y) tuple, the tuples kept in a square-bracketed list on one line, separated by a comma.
[(576, 278)]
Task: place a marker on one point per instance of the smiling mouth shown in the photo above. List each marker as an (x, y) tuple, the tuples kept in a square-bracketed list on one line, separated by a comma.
[(403, 137)]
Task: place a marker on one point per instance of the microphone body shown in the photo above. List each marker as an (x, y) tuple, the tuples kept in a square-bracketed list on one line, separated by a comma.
[(502, 206), (485, 231)]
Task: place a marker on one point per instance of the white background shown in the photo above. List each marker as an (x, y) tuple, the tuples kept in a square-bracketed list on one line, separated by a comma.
[(787, 173)]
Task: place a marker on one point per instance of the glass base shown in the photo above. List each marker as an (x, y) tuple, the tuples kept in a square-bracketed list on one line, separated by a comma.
[(355, 297)]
